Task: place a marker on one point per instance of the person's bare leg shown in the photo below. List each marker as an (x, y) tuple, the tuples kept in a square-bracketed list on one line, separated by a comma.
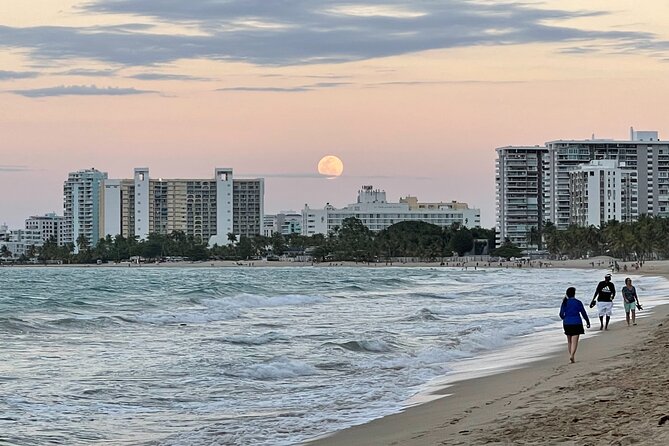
[(569, 345), (574, 346), (601, 322), (608, 318), (633, 317), (627, 317)]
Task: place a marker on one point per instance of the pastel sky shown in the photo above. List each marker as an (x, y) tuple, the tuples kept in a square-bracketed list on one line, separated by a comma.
[(413, 96)]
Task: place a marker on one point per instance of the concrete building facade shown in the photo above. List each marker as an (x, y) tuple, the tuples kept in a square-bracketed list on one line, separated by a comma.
[(49, 226), (545, 175), (248, 206), (208, 209), (82, 197), (520, 195), (601, 191), (377, 214), (644, 154)]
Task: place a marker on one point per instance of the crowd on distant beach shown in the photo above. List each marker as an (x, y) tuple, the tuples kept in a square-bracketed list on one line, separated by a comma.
[(573, 313)]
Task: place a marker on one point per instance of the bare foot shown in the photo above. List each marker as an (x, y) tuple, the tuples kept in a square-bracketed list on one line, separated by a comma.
[(572, 360)]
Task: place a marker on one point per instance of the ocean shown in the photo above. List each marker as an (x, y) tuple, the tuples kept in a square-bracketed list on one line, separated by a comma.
[(259, 356)]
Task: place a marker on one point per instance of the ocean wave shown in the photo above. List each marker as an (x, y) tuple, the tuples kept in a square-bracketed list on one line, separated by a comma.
[(242, 301), (14, 325), (279, 368), (222, 309), (260, 339), (424, 314), (372, 346)]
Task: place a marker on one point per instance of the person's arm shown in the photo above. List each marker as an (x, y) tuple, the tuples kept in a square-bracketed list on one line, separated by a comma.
[(636, 297), (584, 314), (563, 307), (613, 291), (594, 296)]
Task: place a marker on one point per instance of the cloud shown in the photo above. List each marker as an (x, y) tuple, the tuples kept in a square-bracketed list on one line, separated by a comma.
[(10, 168), (266, 89), (291, 32), (297, 89), (79, 90), (167, 77), (9, 75), (88, 72)]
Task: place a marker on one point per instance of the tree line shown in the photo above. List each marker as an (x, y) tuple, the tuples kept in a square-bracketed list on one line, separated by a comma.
[(646, 238), (352, 241)]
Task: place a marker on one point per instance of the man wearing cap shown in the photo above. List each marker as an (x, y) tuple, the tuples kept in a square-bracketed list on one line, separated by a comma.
[(604, 297)]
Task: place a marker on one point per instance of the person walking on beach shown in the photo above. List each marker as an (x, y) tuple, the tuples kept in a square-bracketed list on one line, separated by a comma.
[(571, 311), (631, 301), (603, 297)]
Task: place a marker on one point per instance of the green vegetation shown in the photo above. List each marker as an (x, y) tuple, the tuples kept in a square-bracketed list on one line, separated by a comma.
[(353, 241), (640, 240)]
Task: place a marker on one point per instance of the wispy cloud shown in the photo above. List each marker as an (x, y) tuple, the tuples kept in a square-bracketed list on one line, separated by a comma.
[(89, 72), (79, 90), (167, 77), (295, 89), (293, 32), (12, 168), (266, 89), (10, 75)]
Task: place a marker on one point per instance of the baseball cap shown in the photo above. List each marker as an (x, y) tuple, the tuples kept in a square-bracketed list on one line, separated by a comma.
[(608, 276)]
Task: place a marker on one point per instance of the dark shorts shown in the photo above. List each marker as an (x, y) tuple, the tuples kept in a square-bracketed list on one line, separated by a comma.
[(575, 329)]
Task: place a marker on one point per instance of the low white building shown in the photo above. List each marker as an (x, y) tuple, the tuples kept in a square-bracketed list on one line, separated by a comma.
[(50, 226), (377, 214), (18, 242), (284, 223), (601, 191)]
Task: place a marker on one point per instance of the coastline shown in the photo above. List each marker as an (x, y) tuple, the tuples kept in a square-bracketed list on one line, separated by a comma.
[(616, 393)]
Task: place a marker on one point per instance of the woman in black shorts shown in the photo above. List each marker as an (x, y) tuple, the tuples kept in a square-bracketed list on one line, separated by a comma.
[(571, 311)]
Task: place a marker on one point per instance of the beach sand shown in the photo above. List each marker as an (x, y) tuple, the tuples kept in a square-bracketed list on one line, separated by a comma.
[(617, 393)]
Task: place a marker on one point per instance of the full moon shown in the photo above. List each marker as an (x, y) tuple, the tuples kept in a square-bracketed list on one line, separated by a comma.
[(330, 166)]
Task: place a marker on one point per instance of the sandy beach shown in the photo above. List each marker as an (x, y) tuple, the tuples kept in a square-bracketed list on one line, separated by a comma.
[(617, 393)]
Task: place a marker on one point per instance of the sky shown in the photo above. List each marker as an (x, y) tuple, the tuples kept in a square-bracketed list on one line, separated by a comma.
[(413, 96)]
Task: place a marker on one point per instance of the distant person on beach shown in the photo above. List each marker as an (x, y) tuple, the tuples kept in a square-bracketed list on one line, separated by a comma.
[(631, 301), (571, 311), (603, 297)]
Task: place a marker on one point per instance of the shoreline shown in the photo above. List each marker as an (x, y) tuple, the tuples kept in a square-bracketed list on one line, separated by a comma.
[(618, 372), (595, 263)]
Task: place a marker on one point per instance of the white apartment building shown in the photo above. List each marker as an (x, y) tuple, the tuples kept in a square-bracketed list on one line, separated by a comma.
[(519, 193), (19, 242), (82, 194), (643, 153), (377, 214), (601, 191), (533, 184), (50, 226)]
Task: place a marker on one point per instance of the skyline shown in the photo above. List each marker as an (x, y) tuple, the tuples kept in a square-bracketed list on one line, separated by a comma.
[(412, 96)]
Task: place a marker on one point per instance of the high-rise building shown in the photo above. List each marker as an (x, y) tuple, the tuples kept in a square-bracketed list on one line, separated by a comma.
[(248, 206), (644, 164), (377, 214), (208, 209), (601, 191), (519, 190), (644, 153), (82, 193)]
